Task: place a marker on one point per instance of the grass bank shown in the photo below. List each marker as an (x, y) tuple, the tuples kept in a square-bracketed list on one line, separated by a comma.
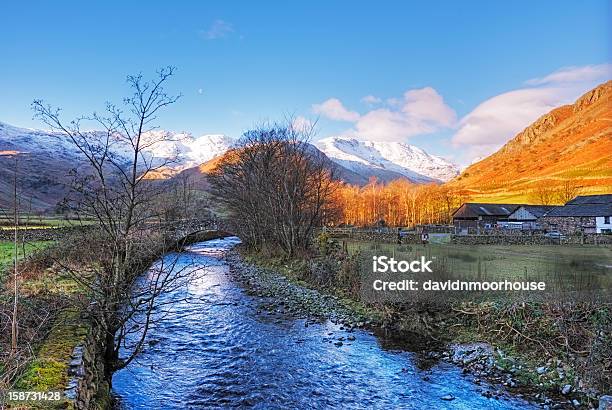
[(7, 253), (53, 320), (50, 326)]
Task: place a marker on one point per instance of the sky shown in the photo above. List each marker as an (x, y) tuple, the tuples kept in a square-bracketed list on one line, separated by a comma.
[(457, 79)]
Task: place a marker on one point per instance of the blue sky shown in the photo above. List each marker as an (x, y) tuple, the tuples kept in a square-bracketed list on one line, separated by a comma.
[(455, 78)]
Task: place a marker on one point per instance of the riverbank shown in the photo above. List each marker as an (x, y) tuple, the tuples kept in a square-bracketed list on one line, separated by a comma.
[(461, 335), (244, 349), (59, 344)]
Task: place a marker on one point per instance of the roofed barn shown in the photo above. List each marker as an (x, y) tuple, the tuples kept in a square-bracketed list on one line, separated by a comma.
[(479, 215), (583, 214)]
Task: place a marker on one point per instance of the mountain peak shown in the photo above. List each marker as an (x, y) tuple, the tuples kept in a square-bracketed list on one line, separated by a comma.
[(540, 127), (376, 157), (572, 141)]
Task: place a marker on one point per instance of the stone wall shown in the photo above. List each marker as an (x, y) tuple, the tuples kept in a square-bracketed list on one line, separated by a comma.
[(87, 387), (510, 238), (40, 234), (536, 239), (568, 224), (503, 240), (380, 237)]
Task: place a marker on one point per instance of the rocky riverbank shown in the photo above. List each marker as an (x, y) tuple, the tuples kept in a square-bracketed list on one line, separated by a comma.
[(298, 300), (481, 361)]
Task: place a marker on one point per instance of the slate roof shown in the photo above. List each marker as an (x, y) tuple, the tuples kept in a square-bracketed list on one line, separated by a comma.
[(472, 209), (582, 210), (538, 210), (591, 199)]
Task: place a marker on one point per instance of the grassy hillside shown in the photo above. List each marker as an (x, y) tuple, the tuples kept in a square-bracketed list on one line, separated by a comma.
[(572, 142)]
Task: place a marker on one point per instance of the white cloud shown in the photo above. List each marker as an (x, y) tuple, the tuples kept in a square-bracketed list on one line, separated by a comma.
[(371, 100), (388, 125), (498, 119), (335, 110), (420, 111), (597, 72), (426, 105), (218, 29)]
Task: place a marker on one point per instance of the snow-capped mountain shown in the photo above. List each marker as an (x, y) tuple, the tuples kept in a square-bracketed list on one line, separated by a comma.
[(47, 158), (183, 149), (387, 157), (33, 141)]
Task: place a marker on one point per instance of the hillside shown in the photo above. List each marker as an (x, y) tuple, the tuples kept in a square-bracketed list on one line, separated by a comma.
[(572, 142), (45, 160)]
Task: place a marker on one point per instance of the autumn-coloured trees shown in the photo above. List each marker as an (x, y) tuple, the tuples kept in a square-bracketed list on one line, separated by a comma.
[(397, 203)]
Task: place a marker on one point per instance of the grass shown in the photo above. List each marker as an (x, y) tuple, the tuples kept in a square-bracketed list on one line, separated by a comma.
[(560, 266), (49, 370), (7, 252)]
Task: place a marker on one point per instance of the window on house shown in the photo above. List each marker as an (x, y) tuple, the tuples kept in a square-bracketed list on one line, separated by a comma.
[(607, 219)]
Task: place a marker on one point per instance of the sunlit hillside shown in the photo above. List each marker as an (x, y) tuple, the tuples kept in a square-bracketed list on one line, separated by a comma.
[(570, 143)]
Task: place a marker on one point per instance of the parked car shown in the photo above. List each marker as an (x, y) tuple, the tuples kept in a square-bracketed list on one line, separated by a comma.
[(554, 235)]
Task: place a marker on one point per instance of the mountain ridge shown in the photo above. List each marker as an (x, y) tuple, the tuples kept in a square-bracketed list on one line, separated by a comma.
[(571, 142), (388, 157)]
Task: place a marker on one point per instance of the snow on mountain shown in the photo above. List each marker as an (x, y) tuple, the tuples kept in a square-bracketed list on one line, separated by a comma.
[(384, 160), (383, 157), (183, 149), (187, 151), (32, 141)]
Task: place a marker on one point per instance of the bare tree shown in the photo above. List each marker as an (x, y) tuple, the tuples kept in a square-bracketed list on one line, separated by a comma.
[(277, 186), (14, 324), (114, 190), (569, 189), (544, 193)]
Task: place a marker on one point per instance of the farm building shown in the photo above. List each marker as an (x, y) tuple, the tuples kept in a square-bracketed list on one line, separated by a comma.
[(584, 214), (482, 216), (527, 216)]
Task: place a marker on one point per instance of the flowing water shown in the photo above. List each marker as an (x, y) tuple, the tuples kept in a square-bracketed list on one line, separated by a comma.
[(223, 353)]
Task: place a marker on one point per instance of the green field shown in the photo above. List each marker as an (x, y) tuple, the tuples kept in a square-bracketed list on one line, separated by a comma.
[(564, 267), (7, 252)]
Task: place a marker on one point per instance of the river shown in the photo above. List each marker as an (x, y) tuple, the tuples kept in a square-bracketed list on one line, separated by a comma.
[(224, 353)]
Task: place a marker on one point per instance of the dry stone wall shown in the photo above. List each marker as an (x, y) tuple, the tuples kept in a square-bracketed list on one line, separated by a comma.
[(494, 239)]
